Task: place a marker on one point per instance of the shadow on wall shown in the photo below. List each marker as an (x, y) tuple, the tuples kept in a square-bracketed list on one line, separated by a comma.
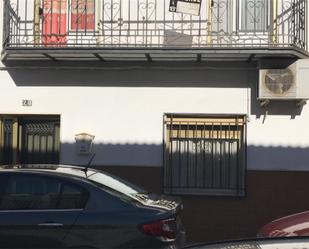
[(184, 75), (276, 107), (278, 158), (115, 154), (151, 155), (163, 76)]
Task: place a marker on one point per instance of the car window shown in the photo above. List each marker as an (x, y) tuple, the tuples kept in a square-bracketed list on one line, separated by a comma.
[(115, 183), (29, 192), (72, 198)]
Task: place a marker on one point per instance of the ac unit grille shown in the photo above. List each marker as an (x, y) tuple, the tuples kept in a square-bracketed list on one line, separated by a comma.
[(279, 81)]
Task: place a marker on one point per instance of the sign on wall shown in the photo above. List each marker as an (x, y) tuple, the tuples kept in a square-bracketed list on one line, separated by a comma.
[(191, 7)]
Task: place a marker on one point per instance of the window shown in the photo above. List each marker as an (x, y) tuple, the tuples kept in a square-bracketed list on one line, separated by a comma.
[(28, 192), (82, 15), (204, 155), (72, 198), (254, 15)]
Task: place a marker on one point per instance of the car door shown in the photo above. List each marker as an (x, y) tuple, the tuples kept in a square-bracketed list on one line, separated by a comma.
[(37, 211)]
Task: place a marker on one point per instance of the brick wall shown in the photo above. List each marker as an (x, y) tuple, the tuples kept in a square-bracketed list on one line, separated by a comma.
[(270, 195)]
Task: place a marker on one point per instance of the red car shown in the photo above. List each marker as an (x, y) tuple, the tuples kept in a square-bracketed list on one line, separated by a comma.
[(292, 225)]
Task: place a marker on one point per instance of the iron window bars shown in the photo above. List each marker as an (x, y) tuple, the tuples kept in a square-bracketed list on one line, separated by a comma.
[(205, 154)]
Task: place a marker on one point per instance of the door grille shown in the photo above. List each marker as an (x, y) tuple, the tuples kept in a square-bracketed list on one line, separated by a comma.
[(40, 141), (7, 154), (25, 140)]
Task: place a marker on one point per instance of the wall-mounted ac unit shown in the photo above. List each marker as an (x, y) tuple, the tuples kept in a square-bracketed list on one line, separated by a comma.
[(291, 83)]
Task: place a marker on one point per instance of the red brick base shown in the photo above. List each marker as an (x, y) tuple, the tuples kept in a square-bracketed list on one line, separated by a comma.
[(270, 195)]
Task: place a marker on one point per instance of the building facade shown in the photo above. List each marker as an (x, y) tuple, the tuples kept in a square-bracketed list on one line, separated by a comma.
[(171, 101)]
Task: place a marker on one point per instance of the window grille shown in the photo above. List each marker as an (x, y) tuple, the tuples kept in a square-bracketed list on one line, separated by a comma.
[(254, 15), (204, 155), (82, 15)]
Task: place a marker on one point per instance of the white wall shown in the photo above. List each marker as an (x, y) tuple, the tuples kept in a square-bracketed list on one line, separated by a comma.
[(124, 110), (117, 116)]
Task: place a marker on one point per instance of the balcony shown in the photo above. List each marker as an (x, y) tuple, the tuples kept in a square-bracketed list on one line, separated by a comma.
[(147, 30)]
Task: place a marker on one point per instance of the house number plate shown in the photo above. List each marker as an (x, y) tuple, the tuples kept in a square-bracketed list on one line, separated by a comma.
[(27, 102)]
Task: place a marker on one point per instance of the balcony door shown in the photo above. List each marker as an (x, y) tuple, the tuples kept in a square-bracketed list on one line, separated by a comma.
[(82, 15), (254, 15), (232, 22), (54, 22), (62, 18), (25, 140), (222, 21)]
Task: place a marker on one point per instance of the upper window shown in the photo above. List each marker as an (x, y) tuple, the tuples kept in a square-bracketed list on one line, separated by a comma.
[(204, 155), (254, 15), (29, 192), (82, 15)]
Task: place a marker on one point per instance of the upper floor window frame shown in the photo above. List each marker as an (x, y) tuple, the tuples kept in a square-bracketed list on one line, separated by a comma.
[(83, 15), (69, 15), (254, 15)]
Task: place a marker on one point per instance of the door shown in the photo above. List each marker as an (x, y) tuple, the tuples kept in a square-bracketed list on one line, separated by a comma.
[(243, 22), (222, 21), (254, 16), (39, 141), (6, 141), (29, 139), (37, 211)]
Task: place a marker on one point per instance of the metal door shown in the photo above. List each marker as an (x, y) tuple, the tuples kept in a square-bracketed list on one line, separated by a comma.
[(39, 141), (6, 141)]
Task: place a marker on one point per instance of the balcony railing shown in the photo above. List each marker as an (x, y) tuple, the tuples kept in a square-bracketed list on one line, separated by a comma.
[(149, 24)]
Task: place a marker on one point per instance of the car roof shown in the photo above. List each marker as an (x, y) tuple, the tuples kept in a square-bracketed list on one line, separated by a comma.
[(77, 171)]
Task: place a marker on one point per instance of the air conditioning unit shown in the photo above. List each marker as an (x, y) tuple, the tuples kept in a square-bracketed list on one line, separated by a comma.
[(291, 83)]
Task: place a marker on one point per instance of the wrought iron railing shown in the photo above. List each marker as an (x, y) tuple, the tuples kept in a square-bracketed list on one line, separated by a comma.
[(150, 24)]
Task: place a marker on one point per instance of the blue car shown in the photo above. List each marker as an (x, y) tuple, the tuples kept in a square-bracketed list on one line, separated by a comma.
[(54, 206)]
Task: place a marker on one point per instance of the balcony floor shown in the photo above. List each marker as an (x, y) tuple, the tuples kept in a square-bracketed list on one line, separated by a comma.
[(78, 55)]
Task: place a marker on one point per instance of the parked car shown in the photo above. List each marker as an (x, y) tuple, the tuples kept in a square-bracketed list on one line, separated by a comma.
[(47, 206), (270, 243), (292, 225)]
